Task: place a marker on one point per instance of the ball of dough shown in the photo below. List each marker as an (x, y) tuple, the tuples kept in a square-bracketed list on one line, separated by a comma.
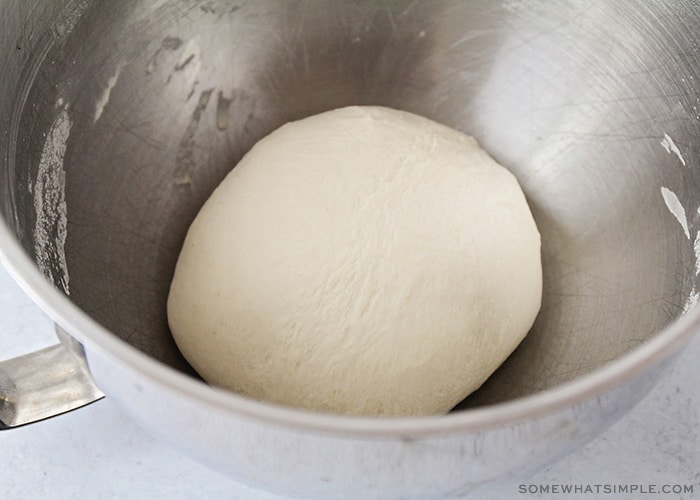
[(360, 261)]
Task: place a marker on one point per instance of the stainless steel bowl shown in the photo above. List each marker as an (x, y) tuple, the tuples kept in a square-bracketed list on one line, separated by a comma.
[(118, 119)]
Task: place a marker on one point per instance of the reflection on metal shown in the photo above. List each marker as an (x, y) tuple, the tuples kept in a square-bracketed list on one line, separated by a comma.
[(45, 383)]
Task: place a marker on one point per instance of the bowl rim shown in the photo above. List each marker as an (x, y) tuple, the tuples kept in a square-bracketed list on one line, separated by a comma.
[(94, 336)]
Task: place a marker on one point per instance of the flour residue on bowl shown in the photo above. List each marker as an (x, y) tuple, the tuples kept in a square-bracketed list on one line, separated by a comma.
[(104, 98), (517, 6), (70, 17), (50, 228), (190, 62), (671, 148), (694, 296), (691, 301), (678, 211), (696, 249), (674, 206)]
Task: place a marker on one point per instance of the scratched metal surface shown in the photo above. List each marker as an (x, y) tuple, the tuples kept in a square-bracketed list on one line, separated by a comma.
[(576, 100)]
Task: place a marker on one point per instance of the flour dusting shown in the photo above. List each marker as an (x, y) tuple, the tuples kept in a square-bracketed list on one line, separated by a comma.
[(691, 301), (50, 204), (696, 248), (70, 17), (521, 5), (675, 207), (671, 148), (190, 63), (104, 99)]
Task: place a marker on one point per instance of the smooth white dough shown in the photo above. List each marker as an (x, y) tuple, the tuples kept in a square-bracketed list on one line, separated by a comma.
[(361, 261)]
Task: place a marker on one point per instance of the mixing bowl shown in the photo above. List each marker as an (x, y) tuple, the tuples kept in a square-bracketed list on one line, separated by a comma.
[(119, 118)]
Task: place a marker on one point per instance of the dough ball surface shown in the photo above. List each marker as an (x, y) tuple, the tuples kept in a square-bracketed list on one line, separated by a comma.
[(362, 261)]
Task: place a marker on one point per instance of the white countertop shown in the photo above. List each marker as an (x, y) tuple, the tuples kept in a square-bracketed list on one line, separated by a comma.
[(96, 452)]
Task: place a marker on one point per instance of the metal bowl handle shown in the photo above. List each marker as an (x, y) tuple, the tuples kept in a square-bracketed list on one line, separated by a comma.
[(45, 383)]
